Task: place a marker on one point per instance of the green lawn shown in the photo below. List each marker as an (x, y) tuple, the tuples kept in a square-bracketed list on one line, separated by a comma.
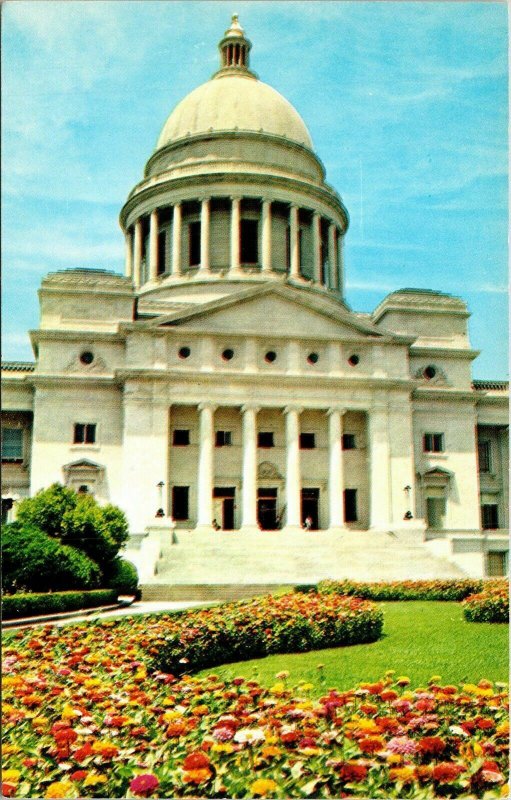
[(420, 639)]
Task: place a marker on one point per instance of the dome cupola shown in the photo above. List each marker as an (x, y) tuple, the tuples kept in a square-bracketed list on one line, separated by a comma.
[(235, 48)]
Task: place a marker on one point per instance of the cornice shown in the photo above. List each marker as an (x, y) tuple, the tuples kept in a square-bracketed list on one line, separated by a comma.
[(423, 393), (445, 352), (44, 335)]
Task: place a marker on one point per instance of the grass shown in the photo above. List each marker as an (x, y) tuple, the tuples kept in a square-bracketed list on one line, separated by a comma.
[(420, 639)]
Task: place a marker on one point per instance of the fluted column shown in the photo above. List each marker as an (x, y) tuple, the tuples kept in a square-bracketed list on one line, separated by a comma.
[(332, 255), (137, 267), (316, 246), (380, 511), (249, 469), (294, 250), (176, 239), (205, 218), (153, 245), (235, 234), (266, 259), (205, 473), (293, 476), (335, 469), (128, 269), (340, 262)]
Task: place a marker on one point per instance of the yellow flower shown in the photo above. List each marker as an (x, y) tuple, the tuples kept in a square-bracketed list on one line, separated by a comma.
[(278, 688), (402, 774), (503, 729), (306, 687), (68, 712), (91, 683), (8, 749), (170, 715), (40, 722), (262, 786), (220, 747), (12, 680), (11, 775), (62, 789), (395, 758), (93, 780), (200, 711)]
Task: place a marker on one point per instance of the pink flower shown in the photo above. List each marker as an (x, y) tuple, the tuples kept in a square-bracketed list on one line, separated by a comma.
[(144, 784), (402, 745)]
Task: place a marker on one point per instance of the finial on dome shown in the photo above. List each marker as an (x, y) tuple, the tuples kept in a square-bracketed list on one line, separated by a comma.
[(235, 29), (234, 48)]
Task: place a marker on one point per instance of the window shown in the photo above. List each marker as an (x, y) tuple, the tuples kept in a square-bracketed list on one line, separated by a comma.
[(194, 243), (12, 444), (350, 505), (223, 439), (433, 443), (84, 433), (490, 516), (249, 241), (484, 456), (265, 439), (497, 563), (180, 503), (348, 441), (181, 437), (162, 251), (313, 358), (307, 441)]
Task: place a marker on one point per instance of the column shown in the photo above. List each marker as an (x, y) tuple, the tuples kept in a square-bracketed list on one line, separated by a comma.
[(138, 253), (335, 469), (316, 246), (379, 468), (128, 270), (294, 250), (176, 240), (235, 234), (266, 259), (205, 473), (249, 469), (153, 245), (340, 262), (293, 476), (332, 255), (204, 235)]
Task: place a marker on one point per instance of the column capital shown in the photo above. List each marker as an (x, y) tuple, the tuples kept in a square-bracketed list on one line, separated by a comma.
[(178, 204), (209, 406), (289, 409), (204, 199), (235, 198), (335, 410), (250, 407)]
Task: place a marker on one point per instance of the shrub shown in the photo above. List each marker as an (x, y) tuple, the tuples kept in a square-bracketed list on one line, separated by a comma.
[(46, 509), (456, 589), (30, 605), (34, 561), (491, 605), (122, 575)]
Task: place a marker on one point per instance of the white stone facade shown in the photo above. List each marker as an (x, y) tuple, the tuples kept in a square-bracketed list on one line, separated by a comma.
[(230, 327)]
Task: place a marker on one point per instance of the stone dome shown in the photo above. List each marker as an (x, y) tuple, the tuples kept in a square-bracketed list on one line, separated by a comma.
[(230, 102)]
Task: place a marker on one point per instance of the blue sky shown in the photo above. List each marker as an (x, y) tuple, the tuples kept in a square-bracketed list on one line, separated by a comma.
[(406, 103)]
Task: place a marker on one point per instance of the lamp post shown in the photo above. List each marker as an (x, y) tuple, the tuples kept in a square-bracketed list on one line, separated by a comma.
[(408, 513), (160, 512)]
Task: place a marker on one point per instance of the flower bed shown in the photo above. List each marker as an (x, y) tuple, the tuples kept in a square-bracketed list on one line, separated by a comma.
[(85, 717), (447, 590), (491, 605)]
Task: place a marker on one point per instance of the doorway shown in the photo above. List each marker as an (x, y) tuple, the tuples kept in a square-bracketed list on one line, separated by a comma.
[(310, 507), (435, 511), (223, 506), (267, 509)]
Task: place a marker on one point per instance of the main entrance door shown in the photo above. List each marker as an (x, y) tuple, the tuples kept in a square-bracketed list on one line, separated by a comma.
[(223, 506), (310, 507), (267, 509)]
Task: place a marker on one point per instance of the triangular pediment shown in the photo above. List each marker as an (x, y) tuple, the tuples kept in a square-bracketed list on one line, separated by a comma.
[(276, 310)]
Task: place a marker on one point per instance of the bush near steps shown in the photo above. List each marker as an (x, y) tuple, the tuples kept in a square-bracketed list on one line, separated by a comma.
[(446, 590), (491, 605)]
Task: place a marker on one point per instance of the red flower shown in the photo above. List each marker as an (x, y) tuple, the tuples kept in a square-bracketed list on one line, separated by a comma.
[(447, 772), (371, 744), (349, 772), (65, 736), (83, 752), (196, 760), (78, 775), (432, 745), (144, 784)]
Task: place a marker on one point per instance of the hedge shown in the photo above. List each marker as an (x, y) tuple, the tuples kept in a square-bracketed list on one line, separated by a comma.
[(491, 605), (251, 629), (31, 605), (455, 589)]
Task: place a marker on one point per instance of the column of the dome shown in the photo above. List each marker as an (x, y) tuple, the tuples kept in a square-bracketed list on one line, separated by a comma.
[(294, 254), (137, 252), (266, 254), (335, 469), (176, 240), (340, 263), (153, 245), (249, 470), (235, 234), (293, 476), (128, 270), (205, 218), (332, 255), (205, 473), (316, 246)]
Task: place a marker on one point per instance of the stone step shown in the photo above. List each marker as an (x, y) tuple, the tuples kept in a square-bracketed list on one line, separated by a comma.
[(176, 592)]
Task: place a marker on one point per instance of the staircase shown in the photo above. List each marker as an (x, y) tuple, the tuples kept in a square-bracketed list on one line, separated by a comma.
[(232, 564)]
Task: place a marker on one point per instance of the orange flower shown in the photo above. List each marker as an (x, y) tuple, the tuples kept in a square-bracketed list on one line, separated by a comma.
[(402, 774), (371, 744), (105, 749), (60, 789), (197, 776)]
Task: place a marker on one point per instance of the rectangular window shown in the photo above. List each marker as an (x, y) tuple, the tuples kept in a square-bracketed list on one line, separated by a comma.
[(350, 505), (180, 503), (194, 243), (484, 456), (497, 564), (84, 433), (265, 439), (348, 441), (490, 516), (307, 441), (181, 437), (12, 444), (433, 443), (223, 439), (249, 244)]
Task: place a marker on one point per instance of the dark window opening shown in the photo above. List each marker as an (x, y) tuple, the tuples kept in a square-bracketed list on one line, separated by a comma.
[(180, 503), (490, 516), (348, 441), (350, 505), (7, 504), (184, 352), (433, 443), (84, 433), (429, 373), (249, 245), (83, 489), (484, 456), (87, 357), (162, 251), (181, 437), (288, 248), (353, 360), (307, 441), (265, 439), (313, 358), (270, 356), (310, 508), (228, 354), (223, 439), (224, 491), (497, 563), (12, 444), (194, 243)]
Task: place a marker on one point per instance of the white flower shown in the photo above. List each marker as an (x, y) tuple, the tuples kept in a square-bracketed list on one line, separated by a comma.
[(249, 736)]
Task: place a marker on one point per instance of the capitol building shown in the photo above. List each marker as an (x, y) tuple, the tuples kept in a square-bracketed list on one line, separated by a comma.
[(224, 384)]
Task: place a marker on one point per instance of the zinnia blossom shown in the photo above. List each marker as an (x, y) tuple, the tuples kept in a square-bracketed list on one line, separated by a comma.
[(351, 772), (60, 789), (432, 745), (403, 745), (262, 786), (447, 772), (144, 784)]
